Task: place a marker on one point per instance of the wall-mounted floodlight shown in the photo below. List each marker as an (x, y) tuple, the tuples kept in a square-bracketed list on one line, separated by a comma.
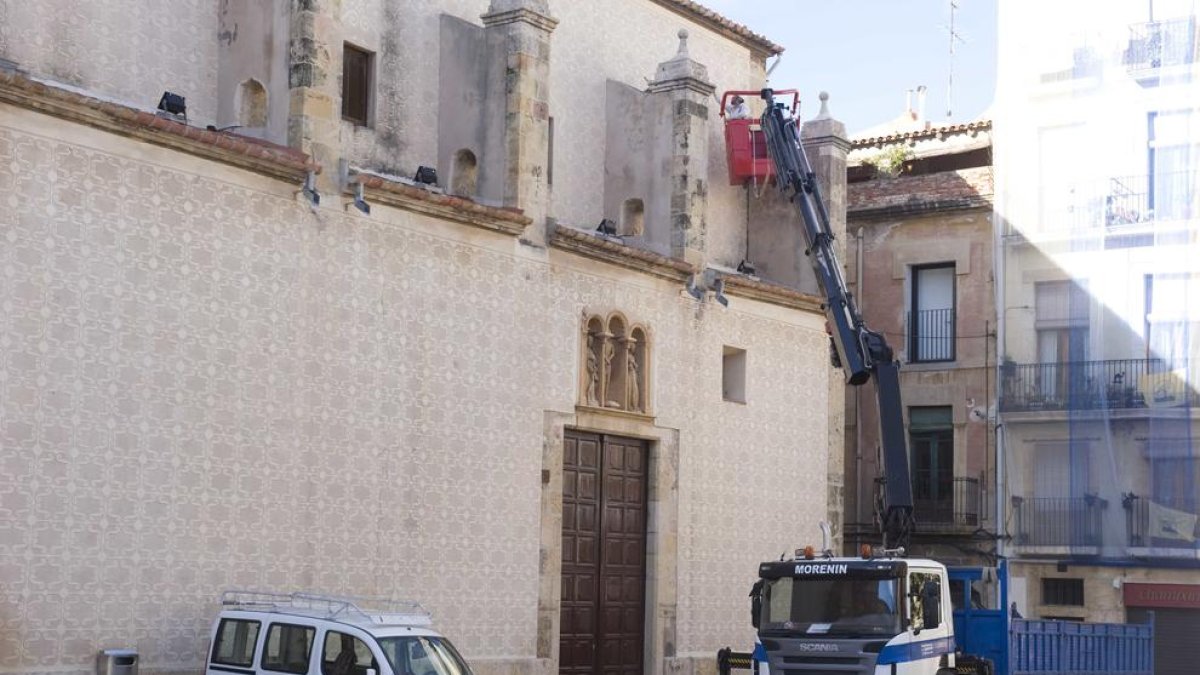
[(173, 104), (426, 175), (607, 228), (719, 292), (692, 289), (310, 190), (359, 202), (746, 267)]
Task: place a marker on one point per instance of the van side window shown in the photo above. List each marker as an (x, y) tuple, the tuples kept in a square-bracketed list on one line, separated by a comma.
[(235, 642), (346, 655), (288, 648)]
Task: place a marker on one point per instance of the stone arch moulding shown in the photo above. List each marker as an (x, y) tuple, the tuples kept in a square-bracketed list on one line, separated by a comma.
[(615, 356), (633, 217), (251, 104), (464, 173)]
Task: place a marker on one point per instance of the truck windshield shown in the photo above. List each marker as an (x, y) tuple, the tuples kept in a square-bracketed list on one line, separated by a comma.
[(828, 607), (421, 655)]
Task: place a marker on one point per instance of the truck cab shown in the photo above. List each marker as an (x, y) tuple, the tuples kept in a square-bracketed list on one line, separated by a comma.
[(307, 634), (872, 616)]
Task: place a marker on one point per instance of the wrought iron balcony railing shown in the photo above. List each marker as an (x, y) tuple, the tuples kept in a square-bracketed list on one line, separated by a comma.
[(1058, 522), (1160, 44), (931, 335), (1169, 524), (1122, 206), (944, 503), (1092, 385)]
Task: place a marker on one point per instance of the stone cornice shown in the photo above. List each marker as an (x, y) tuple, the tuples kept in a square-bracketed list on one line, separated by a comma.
[(246, 153), (764, 291), (697, 85), (600, 248), (381, 190), (523, 15), (840, 142)]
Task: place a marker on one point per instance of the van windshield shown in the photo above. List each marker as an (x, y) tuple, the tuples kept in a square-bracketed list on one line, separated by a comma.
[(829, 607), (422, 655)]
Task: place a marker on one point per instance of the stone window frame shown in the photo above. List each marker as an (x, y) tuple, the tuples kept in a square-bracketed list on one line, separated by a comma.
[(662, 533)]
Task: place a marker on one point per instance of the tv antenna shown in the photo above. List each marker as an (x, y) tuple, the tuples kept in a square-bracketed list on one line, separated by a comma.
[(955, 36)]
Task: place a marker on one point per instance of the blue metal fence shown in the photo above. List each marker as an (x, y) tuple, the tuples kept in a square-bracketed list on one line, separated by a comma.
[(1066, 647)]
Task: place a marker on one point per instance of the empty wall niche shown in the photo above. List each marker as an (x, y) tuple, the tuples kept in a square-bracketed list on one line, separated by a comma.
[(464, 176), (733, 374), (252, 104), (633, 218)]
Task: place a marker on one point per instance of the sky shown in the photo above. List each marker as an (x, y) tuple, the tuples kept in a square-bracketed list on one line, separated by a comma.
[(867, 53)]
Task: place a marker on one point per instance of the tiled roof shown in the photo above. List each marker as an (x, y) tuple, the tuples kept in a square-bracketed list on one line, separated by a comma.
[(250, 153), (932, 132), (705, 16)]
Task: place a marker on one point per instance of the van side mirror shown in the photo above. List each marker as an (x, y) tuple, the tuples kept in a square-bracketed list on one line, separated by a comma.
[(931, 604), (756, 603)]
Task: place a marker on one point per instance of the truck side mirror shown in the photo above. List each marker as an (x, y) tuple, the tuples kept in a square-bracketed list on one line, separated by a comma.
[(756, 603), (931, 604)]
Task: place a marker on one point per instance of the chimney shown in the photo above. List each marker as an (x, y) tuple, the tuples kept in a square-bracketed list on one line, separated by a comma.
[(921, 106), (908, 109)]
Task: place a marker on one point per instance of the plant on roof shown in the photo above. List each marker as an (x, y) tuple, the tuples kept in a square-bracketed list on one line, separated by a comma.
[(890, 160)]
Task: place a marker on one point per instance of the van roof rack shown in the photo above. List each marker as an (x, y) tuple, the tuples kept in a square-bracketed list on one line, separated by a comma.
[(376, 611)]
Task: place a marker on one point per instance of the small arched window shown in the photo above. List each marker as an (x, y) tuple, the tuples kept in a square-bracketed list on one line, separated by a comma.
[(633, 218), (252, 104), (464, 177)]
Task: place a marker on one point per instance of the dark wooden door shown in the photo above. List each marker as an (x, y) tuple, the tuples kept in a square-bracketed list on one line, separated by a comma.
[(604, 555)]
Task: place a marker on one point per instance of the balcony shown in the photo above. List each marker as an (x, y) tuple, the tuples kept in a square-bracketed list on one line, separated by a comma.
[(930, 335), (1058, 525), (944, 505), (1161, 530), (1092, 385), (1124, 211), (1160, 44)]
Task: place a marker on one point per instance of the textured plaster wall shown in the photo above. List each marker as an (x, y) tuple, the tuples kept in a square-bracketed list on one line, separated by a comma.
[(204, 385), (131, 50)]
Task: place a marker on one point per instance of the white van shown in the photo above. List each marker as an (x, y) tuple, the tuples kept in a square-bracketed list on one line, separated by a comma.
[(307, 634)]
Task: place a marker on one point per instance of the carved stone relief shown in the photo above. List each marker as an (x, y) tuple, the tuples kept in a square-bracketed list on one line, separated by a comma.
[(615, 374)]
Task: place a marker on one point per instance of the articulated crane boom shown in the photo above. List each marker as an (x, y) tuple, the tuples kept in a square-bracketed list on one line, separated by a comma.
[(862, 353)]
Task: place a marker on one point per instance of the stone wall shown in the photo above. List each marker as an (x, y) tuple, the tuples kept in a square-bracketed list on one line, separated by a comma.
[(130, 50), (206, 385), (1102, 588), (592, 44)]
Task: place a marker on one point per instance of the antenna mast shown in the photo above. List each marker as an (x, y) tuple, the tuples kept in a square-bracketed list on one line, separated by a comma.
[(954, 36)]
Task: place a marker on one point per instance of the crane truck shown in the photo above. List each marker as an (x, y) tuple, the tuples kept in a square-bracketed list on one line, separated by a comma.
[(880, 612)]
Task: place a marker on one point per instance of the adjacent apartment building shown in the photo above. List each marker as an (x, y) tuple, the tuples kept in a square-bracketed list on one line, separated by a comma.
[(919, 219), (433, 300), (1098, 224)]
